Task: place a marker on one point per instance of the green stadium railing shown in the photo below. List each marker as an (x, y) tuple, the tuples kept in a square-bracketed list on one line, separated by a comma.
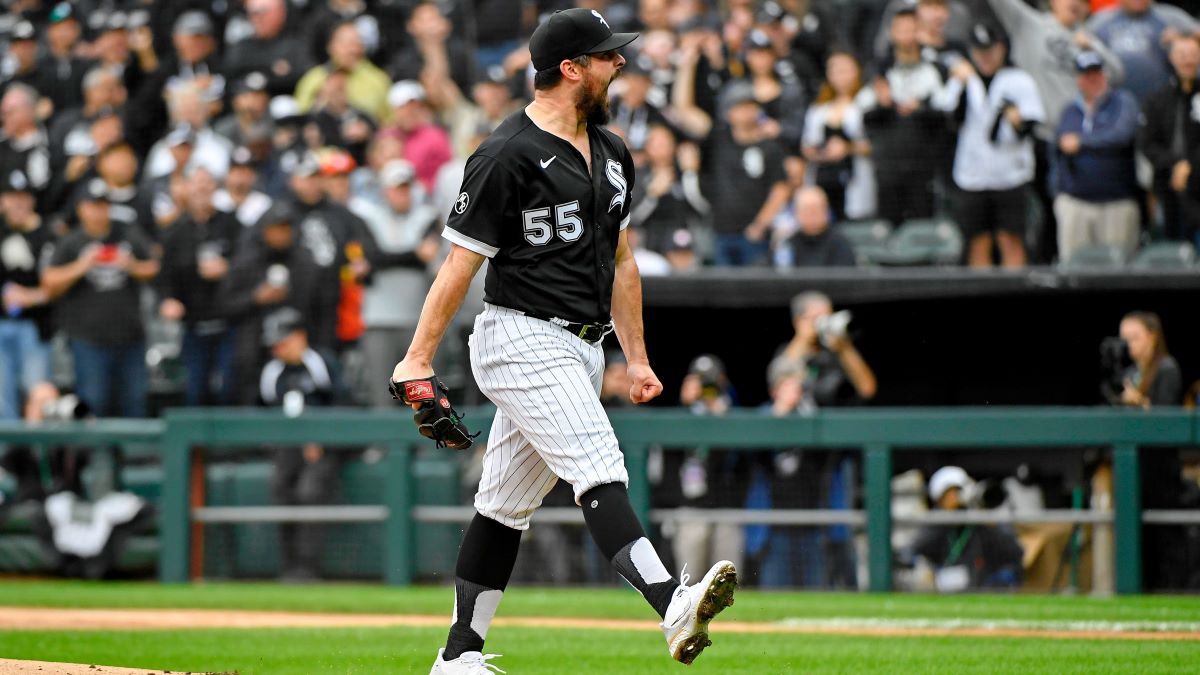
[(876, 432)]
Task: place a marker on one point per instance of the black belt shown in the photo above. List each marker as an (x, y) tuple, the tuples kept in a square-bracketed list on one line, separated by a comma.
[(588, 332)]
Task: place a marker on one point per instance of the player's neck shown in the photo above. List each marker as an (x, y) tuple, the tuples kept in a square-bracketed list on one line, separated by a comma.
[(558, 116)]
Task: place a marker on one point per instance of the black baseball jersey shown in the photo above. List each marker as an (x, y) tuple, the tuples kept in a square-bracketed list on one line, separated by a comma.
[(549, 228)]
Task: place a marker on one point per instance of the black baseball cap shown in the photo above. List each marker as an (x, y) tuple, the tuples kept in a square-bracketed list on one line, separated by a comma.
[(279, 324), (984, 35), (573, 32), (1088, 60)]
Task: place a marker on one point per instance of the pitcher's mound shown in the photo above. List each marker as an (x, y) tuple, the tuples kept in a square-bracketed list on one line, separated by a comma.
[(12, 667)]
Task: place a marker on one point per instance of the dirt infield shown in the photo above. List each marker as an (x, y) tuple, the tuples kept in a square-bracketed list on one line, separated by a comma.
[(11, 667), (42, 618)]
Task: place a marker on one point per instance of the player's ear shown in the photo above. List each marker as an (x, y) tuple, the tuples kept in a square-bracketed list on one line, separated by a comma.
[(570, 70)]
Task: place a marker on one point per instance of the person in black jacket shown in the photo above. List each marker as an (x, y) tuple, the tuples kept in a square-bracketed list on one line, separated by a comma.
[(1154, 379), (196, 255), (814, 244), (282, 57), (272, 269), (1168, 137)]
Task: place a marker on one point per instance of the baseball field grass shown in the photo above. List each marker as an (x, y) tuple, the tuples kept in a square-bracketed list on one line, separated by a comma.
[(588, 631)]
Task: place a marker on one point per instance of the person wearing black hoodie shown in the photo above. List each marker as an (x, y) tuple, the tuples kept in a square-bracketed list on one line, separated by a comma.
[(196, 254), (271, 270)]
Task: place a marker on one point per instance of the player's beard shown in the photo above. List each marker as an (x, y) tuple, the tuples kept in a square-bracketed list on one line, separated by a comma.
[(591, 102)]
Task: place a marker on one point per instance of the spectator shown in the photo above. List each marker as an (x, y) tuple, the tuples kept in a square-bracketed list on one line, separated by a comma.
[(190, 118), (966, 557), (271, 269), (74, 140), (960, 17), (296, 377), (996, 107), (167, 194), (901, 125), (1140, 32), (280, 57), (441, 61), (835, 142), (340, 124), (778, 91), (426, 145), (837, 374), (632, 110), (249, 117), (1168, 138), (806, 30), (1097, 186), (1154, 378), (25, 327), (60, 69), (650, 263), (342, 247), (814, 244), (24, 145), (681, 252), (95, 274), (746, 180), (366, 85), (404, 229), (117, 167), (240, 195), (667, 197), (1045, 44), (933, 16), (323, 18), (196, 255), (22, 66)]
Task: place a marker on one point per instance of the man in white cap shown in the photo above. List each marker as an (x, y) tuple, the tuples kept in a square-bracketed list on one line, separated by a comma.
[(970, 556)]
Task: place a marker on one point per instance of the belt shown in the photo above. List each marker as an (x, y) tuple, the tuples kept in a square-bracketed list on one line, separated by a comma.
[(588, 332)]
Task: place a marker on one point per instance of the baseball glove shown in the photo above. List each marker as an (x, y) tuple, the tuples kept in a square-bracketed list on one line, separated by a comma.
[(436, 418)]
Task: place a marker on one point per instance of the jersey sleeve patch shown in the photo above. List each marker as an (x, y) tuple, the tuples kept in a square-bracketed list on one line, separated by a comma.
[(483, 207)]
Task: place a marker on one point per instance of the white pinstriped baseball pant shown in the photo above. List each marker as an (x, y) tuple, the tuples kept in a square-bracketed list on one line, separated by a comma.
[(549, 423)]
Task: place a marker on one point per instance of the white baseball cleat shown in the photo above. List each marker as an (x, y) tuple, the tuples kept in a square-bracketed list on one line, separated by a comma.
[(467, 663), (686, 622)]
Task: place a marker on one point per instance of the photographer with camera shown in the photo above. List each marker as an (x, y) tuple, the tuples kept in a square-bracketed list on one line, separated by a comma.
[(703, 477), (836, 373), (966, 556), (1140, 372)]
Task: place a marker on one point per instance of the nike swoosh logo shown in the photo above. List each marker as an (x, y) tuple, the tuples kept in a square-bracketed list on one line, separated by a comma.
[(546, 162)]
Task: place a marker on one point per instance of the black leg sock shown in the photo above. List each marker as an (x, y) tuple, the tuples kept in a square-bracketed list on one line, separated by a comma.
[(485, 562), (620, 536)]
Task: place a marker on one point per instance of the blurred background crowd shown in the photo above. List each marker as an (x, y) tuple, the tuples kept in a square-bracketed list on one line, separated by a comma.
[(240, 203)]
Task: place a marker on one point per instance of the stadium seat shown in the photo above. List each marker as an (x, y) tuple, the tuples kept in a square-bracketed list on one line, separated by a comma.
[(869, 238), (1165, 255), (925, 242), (1095, 257)]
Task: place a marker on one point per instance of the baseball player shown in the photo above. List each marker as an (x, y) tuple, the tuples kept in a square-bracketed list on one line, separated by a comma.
[(546, 199)]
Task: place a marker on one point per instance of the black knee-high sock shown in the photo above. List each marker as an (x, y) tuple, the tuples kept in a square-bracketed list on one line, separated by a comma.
[(620, 536), (485, 562)]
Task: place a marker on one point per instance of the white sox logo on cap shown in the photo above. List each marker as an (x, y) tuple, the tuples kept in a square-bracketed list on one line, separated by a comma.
[(601, 19), (460, 205)]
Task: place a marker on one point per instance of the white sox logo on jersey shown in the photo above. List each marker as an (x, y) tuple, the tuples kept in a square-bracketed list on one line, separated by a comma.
[(616, 176)]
